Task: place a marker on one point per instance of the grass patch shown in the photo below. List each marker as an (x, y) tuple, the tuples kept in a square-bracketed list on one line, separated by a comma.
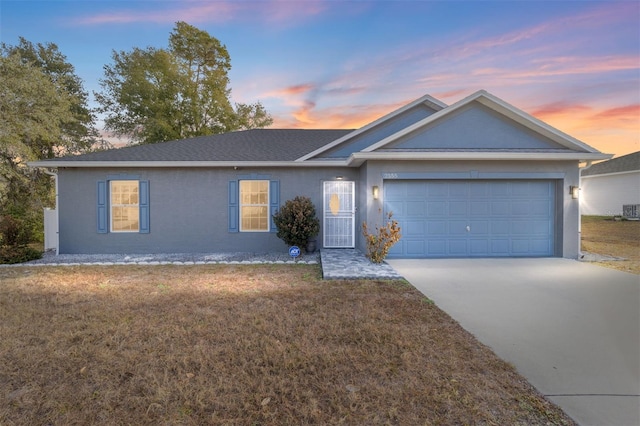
[(242, 345), (603, 235)]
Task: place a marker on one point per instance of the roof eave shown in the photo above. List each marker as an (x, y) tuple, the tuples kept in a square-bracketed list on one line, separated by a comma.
[(179, 164), (358, 158)]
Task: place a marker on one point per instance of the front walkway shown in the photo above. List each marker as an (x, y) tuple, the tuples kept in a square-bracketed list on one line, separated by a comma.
[(344, 264)]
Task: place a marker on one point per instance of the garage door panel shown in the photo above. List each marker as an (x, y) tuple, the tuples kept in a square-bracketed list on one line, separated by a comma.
[(500, 190), (457, 228), (478, 247), (541, 208), (472, 218), (500, 208), (500, 227), (459, 189), (413, 228), (416, 208), (520, 246), (458, 247), (437, 208), (520, 208), (480, 208), (500, 247), (415, 247), (458, 208), (479, 226), (437, 227), (437, 189)]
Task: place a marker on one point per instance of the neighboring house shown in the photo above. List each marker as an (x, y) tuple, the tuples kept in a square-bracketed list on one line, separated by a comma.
[(609, 185), (479, 178)]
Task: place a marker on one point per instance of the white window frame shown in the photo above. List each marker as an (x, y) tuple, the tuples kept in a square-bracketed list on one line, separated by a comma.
[(113, 205), (265, 205)]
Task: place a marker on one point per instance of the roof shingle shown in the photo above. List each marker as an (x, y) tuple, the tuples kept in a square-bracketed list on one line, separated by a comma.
[(246, 145), (626, 163)]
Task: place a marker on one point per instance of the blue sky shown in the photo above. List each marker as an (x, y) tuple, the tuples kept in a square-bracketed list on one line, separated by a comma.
[(341, 64)]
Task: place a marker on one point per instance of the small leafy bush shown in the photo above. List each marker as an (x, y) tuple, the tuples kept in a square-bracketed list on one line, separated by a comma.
[(380, 242), (296, 221), (13, 231), (14, 237), (18, 254)]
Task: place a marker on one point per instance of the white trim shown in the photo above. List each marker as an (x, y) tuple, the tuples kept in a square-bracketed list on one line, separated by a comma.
[(355, 160), (112, 205), (164, 164), (358, 158), (610, 174), (240, 205), (428, 100)]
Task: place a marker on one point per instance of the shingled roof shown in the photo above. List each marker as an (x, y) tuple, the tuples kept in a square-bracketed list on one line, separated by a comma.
[(626, 163), (246, 145)]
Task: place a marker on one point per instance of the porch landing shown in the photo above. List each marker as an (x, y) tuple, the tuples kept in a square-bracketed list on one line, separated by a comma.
[(343, 264)]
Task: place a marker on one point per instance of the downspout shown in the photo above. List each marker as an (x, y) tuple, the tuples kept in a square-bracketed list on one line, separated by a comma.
[(580, 170), (55, 177)]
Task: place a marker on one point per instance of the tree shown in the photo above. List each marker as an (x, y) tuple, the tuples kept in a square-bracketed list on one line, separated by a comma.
[(152, 95), (78, 132), (43, 114)]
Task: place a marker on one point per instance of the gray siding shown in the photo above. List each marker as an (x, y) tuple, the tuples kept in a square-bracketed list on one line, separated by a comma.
[(380, 132), (188, 209), (474, 127)]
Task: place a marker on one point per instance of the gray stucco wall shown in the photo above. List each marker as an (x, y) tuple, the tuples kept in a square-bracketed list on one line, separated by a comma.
[(564, 173), (189, 206), (188, 209)]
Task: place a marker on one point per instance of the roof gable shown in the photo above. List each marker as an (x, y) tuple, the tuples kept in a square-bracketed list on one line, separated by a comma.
[(379, 129), (472, 111), (473, 127)]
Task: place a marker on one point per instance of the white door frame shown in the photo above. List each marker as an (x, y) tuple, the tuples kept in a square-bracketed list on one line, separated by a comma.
[(339, 214)]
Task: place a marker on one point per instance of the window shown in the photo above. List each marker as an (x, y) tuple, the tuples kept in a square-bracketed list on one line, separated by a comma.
[(125, 205), (254, 205), (122, 205)]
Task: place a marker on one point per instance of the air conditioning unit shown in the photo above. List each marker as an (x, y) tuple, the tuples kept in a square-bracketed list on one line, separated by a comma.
[(631, 211)]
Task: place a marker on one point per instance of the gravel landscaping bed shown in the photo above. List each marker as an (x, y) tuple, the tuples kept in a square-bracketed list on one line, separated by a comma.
[(50, 258)]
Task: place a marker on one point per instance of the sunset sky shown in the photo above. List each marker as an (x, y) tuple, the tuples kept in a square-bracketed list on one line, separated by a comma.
[(342, 64)]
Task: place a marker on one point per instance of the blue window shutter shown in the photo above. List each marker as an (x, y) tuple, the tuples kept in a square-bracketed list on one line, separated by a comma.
[(102, 221), (274, 201), (144, 206), (234, 207)]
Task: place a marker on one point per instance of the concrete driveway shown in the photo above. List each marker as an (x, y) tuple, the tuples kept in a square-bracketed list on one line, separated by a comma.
[(571, 328)]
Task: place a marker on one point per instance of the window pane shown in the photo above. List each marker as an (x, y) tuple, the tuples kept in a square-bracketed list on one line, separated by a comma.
[(125, 211), (254, 205)]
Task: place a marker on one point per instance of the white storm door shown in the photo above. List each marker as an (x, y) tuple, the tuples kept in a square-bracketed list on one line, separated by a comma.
[(339, 214)]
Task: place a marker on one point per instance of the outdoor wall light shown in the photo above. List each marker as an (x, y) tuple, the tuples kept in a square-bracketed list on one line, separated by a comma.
[(574, 191), (339, 177), (376, 192)]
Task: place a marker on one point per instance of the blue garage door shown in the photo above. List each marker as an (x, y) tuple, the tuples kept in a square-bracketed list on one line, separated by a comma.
[(472, 218)]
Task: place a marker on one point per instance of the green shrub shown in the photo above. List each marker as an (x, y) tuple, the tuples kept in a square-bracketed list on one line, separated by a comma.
[(13, 231), (380, 242), (296, 222), (18, 254), (14, 237)]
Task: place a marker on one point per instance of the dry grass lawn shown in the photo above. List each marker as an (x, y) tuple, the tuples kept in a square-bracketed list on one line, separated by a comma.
[(603, 235), (242, 345)]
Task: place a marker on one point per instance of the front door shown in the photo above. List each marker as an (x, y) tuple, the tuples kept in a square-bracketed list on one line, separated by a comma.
[(339, 214)]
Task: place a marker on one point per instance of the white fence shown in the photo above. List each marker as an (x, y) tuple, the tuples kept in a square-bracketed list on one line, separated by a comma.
[(50, 229)]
